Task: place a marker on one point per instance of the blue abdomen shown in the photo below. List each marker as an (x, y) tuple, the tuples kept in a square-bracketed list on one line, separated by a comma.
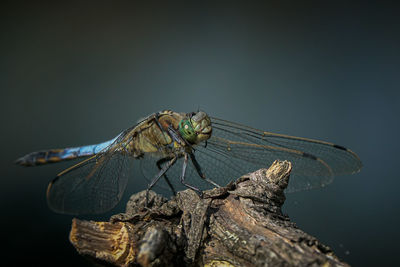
[(56, 155)]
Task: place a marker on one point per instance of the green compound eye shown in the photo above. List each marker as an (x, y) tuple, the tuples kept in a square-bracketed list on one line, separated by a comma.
[(187, 131)]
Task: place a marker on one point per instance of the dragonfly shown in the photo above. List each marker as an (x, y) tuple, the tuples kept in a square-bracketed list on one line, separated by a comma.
[(193, 150)]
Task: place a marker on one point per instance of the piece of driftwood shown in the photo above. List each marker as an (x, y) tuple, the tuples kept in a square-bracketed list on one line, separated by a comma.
[(240, 225)]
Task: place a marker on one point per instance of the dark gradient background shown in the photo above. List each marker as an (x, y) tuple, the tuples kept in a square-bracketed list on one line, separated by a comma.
[(74, 74)]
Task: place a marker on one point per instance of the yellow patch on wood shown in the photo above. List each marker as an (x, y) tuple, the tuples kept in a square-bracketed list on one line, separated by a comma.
[(218, 263)]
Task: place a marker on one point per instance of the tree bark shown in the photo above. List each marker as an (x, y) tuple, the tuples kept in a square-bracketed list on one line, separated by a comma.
[(238, 225)]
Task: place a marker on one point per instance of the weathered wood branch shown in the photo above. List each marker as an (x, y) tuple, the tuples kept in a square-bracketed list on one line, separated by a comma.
[(240, 225)]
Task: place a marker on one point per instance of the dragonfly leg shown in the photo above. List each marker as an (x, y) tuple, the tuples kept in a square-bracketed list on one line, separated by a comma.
[(185, 161), (158, 122), (199, 172), (159, 165), (158, 176), (171, 131)]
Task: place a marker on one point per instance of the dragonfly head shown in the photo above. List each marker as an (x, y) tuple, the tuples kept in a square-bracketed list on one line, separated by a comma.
[(196, 127)]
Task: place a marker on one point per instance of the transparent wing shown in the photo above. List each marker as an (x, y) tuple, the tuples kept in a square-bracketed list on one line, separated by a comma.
[(92, 186), (315, 163)]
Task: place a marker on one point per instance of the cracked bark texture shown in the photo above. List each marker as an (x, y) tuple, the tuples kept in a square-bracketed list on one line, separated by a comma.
[(238, 225)]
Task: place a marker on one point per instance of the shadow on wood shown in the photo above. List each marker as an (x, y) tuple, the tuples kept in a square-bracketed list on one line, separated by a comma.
[(238, 225)]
